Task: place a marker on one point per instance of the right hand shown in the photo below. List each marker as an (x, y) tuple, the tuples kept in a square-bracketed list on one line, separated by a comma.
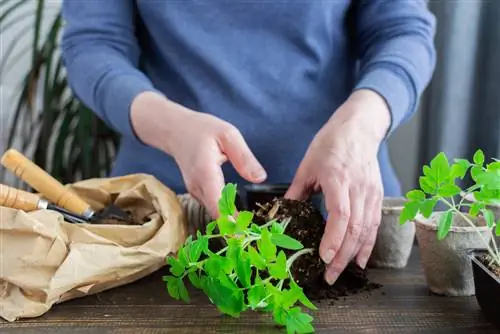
[(200, 143)]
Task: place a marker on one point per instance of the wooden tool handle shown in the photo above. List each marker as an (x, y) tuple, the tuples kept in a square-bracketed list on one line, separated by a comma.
[(18, 199), (44, 183)]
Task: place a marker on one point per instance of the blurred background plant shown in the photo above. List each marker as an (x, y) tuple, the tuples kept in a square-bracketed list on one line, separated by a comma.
[(48, 122)]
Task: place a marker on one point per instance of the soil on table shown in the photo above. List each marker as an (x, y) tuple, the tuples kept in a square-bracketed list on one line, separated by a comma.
[(307, 226), (490, 264)]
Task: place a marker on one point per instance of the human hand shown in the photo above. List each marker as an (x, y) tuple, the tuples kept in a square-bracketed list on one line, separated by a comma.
[(342, 162), (199, 143)]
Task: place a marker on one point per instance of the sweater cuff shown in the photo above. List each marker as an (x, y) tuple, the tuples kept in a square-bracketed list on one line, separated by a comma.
[(118, 99), (394, 86)]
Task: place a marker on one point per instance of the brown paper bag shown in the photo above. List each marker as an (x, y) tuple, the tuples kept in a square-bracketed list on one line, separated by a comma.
[(45, 260)]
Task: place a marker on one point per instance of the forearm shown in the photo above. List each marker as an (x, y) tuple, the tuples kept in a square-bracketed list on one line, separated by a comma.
[(397, 55)]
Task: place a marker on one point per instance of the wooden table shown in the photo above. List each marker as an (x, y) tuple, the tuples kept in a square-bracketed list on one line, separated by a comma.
[(403, 305)]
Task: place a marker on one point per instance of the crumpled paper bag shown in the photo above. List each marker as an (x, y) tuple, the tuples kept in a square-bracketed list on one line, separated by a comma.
[(45, 260)]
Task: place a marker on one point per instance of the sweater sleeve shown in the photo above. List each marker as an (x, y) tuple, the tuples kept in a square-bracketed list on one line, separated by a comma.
[(395, 47), (101, 54)]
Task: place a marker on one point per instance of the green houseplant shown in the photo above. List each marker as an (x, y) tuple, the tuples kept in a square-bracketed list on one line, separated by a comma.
[(459, 218), (49, 123)]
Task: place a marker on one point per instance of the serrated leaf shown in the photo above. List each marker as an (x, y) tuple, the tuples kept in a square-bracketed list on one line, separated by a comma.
[(227, 300), (285, 241), (182, 257), (243, 220), (428, 172), (183, 293), (490, 179), (226, 226), (440, 166), (277, 228), (478, 157), (172, 286), (244, 269), (176, 268), (298, 322), (255, 258), (415, 195), (278, 269), (475, 171), (489, 217), (266, 248), (211, 227), (475, 208), (255, 295), (497, 228), (212, 266), (427, 206), (279, 315), (194, 279), (426, 185), (410, 210), (444, 226), (449, 190), (197, 248), (302, 297), (227, 206), (459, 168)]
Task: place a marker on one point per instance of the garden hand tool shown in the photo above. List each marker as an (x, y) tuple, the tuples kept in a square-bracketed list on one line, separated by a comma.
[(22, 200), (54, 191)]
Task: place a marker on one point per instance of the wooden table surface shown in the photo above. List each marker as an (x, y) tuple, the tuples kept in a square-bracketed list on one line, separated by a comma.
[(403, 305)]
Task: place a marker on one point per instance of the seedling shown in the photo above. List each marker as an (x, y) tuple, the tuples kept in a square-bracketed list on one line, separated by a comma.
[(438, 184), (252, 271)]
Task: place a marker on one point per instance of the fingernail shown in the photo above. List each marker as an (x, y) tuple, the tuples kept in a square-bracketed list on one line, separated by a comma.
[(330, 254), (362, 263), (331, 277), (259, 176)]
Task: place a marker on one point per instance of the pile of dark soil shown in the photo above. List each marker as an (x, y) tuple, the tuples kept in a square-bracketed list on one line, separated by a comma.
[(307, 226), (132, 219), (489, 263)]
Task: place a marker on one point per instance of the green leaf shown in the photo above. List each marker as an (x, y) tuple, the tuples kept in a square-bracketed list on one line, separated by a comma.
[(285, 241), (226, 226), (197, 248), (444, 224), (302, 297), (176, 268), (279, 270), (182, 257), (255, 258), (478, 157), (298, 322), (429, 172), (279, 315), (243, 220), (489, 217), (410, 210), (475, 208), (440, 167), (497, 228), (459, 168), (255, 296), (415, 195), (244, 269), (227, 300), (194, 279), (427, 206), (449, 190), (234, 249), (213, 266), (227, 201), (266, 248), (277, 228), (183, 293), (211, 228), (172, 286), (427, 185), (255, 228), (490, 179), (475, 171)]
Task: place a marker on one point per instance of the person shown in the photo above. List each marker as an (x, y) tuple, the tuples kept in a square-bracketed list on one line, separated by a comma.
[(206, 92)]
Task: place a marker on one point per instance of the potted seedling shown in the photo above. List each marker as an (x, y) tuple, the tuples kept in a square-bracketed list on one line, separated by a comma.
[(455, 243), (394, 242), (269, 262)]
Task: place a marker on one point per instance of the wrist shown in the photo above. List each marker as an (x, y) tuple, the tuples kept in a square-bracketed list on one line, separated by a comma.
[(154, 119), (370, 112)]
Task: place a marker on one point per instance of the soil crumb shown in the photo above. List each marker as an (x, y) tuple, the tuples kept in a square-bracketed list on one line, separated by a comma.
[(490, 264), (132, 219), (307, 226)]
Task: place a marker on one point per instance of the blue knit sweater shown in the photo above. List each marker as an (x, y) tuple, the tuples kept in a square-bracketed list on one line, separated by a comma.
[(277, 70)]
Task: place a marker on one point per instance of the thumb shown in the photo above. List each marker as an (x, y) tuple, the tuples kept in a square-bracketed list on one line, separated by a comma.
[(241, 157), (300, 188)]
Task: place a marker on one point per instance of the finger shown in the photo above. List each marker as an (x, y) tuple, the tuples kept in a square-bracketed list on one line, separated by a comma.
[(367, 247), (336, 196), (372, 200), (300, 187), (351, 238), (211, 189), (232, 144)]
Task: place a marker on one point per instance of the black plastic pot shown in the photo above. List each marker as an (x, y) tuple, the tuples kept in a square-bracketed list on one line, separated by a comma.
[(261, 193), (487, 286)]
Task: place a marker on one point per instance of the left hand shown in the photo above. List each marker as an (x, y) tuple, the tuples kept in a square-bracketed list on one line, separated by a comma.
[(342, 162)]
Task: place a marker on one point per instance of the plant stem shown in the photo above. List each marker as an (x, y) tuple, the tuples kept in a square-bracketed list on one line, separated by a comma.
[(493, 253), (294, 257)]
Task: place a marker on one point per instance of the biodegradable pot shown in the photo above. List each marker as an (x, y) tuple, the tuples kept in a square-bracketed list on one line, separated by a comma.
[(394, 241), (446, 265), (487, 287), (495, 208)]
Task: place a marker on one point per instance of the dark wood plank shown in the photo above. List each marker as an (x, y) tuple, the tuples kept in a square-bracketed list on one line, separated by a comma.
[(403, 305)]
